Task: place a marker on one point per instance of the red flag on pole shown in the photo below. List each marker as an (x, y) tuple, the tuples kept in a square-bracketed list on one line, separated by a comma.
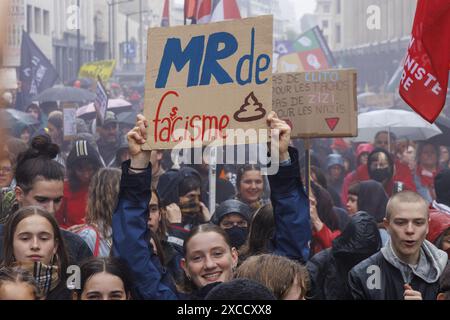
[(165, 21), (189, 9), (424, 81), (204, 9), (226, 10)]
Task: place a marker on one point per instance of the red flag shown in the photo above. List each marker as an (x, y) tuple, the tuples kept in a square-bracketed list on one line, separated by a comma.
[(226, 10), (204, 9), (424, 80), (189, 9), (165, 21)]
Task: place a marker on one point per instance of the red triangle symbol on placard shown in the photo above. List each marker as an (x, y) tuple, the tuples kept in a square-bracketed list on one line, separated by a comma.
[(332, 123)]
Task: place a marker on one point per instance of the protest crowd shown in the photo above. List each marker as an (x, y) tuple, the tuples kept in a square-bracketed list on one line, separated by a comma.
[(375, 224), (90, 209)]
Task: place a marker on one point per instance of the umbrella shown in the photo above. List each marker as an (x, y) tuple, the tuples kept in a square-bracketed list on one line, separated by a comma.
[(87, 112), (65, 94), (127, 117), (14, 118), (443, 123), (404, 124)]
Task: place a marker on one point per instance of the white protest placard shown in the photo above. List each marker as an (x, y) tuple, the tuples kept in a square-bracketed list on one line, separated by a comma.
[(202, 80), (317, 104), (101, 101), (69, 120)]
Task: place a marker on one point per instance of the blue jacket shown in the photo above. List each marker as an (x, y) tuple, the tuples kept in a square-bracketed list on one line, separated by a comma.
[(131, 237), (291, 211), (131, 234)]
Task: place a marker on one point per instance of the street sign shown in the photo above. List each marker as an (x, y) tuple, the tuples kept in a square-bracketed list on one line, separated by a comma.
[(129, 50)]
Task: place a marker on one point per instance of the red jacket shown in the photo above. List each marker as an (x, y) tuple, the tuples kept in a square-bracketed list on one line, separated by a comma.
[(73, 207), (439, 222), (402, 174), (323, 239)]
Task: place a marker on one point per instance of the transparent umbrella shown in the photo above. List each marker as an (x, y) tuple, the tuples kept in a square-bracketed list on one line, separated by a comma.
[(13, 118), (404, 124)]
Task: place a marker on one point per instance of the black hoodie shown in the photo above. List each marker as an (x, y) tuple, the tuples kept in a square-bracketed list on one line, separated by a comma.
[(329, 268), (372, 199)]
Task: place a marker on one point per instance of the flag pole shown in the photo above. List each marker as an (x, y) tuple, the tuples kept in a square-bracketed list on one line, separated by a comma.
[(307, 143)]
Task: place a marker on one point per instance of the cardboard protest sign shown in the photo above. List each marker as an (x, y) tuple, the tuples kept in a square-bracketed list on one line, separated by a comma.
[(93, 70), (212, 77), (317, 104)]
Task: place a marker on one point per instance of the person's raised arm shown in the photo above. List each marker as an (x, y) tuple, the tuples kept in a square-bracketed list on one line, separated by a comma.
[(289, 200), (130, 231)]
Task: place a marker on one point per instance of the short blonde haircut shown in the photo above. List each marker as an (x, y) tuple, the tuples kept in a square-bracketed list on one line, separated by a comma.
[(402, 197), (276, 273)]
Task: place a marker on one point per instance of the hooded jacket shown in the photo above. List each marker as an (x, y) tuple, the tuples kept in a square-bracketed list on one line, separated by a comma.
[(372, 199), (168, 190), (439, 225), (383, 275), (329, 268), (231, 206), (401, 174)]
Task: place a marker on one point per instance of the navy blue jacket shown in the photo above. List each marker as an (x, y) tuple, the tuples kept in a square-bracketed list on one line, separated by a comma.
[(291, 211), (131, 237), (131, 234)]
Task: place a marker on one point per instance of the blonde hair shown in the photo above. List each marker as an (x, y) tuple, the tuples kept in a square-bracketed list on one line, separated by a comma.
[(102, 199), (265, 269), (405, 197)]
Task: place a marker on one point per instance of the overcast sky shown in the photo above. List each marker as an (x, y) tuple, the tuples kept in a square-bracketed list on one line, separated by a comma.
[(304, 6), (301, 6)]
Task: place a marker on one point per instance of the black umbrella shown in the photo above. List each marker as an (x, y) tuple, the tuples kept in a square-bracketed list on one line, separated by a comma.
[(65, 94), (443, 123)]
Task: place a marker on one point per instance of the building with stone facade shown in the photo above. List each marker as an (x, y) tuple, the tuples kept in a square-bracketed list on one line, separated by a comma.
[(369, 35)]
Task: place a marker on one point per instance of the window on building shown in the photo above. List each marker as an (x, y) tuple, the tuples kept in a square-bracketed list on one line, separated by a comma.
[(46, 22), (37, 20), (326, 8), (338, 6), (29, 18), (324, 24), (338, 33)]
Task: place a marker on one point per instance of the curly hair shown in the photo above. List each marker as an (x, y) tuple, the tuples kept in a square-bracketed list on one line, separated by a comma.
[(102, 199)]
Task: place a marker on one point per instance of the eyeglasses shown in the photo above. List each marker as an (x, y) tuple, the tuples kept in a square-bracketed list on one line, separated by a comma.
[(5, 169)]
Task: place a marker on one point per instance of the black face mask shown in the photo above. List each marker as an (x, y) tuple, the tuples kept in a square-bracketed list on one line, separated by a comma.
[(237, 235), (380, 175)]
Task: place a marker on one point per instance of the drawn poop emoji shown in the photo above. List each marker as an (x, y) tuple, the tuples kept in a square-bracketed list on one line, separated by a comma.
[(251, 110)]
